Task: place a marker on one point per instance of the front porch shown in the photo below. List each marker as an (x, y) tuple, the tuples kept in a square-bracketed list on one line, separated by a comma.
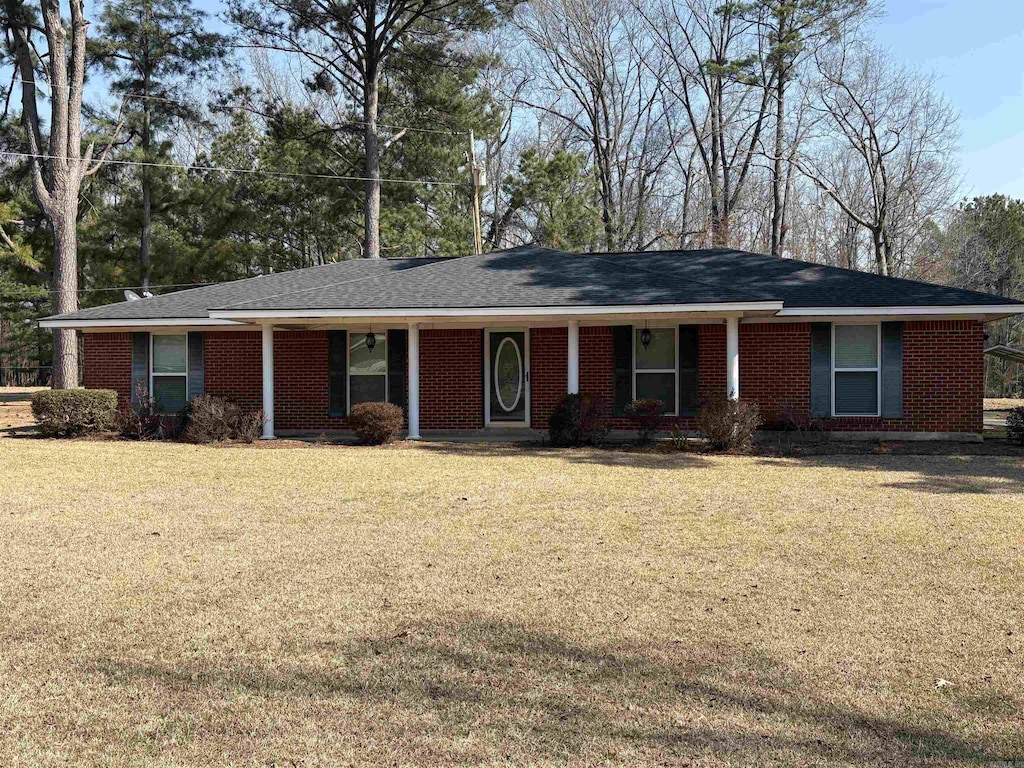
[(497, 381)]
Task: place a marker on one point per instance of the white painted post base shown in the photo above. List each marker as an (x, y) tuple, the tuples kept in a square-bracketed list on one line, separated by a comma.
[(268, 383), (414, 381), (574, 358), (732, 357)]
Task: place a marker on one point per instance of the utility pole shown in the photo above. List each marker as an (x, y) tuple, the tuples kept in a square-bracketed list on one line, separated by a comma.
[(479, 177)]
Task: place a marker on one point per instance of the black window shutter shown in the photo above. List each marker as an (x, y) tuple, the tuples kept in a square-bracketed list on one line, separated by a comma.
[(622, 354), (688, 369), (892, 370), (398, 361), (821, 370), (140, 366), (337, 369), (196, 364)]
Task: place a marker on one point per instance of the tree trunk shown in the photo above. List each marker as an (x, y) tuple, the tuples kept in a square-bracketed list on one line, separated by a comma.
[(145, 259), (371, 167), (778, 196), (881, 257), (65, 292)]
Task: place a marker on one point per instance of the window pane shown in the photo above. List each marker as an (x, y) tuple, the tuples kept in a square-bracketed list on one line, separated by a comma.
[(169, 354), (657, 386), (367, 389), (362, 360), (660, 353), (856, 393), (170, 393), (856, 346)]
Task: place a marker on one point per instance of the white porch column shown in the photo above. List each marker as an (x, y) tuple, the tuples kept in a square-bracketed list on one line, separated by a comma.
[(268, 382), (574, 357), (732, 357), (414, 381)]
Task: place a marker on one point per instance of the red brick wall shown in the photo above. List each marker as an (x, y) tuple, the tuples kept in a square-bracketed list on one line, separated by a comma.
[(234, 366), (943, 373), (549, 372), (301, 381), (775, 368), (451, 379), (108, 363), (943, 380)]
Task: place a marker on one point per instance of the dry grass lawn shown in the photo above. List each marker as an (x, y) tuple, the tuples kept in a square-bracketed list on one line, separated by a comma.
[(318, 606)]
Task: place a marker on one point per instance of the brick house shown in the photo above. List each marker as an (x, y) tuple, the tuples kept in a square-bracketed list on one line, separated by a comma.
[(493, 341)]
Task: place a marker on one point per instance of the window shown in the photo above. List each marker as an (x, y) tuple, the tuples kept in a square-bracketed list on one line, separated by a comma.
[(367, 369), (169, 372), (654, 367), (855, 370)]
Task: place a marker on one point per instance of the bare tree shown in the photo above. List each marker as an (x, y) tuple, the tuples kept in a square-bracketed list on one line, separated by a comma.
[(58, 163), (885, 127), (591, 62), (713, 66)]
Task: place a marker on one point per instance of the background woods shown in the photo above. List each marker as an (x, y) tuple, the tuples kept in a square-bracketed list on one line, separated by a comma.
[(254, 137)]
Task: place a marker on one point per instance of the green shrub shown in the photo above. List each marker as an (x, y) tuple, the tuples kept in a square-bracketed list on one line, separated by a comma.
[(1015, 425), (376, 423), (70, 412), (212, 419), (728, 425), (578, 419), (647, 415)]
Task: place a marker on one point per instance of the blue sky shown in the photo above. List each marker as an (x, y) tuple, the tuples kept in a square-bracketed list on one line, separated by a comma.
[(976, 49)]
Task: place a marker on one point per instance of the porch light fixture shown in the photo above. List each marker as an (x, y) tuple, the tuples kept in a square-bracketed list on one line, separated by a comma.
[(645, 336), (371, 341)]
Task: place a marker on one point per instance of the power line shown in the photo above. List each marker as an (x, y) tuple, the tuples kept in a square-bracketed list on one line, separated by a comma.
[(243, 108), (251, 171)]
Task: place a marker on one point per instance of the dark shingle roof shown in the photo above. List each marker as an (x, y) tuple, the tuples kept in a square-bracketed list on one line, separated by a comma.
[(540, 277), (196, 302)]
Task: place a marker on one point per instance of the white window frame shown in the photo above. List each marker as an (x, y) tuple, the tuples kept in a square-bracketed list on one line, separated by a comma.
[(877, 370), (153, 374), (674, 371), (348, 366)]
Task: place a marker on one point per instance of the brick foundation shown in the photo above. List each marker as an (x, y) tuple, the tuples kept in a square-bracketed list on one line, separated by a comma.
[(943, 374)]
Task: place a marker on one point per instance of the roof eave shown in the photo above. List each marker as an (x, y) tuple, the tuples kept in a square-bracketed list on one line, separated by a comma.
[(113, 322), (984, 311)]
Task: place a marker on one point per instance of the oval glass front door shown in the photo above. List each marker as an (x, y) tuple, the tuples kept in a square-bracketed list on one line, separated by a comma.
[(508, 374)]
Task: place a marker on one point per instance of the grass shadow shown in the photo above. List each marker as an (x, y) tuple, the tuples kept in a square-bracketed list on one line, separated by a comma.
[(938, 474), (644, 457), (531, 695)]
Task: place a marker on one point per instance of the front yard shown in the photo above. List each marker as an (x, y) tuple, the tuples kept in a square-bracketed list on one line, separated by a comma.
[(167, 604)]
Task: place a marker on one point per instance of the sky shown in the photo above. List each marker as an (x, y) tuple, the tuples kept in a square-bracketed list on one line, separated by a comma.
[(975, 48)]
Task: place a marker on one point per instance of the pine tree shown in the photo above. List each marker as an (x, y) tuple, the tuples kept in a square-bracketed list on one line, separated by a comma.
[(155, 48)]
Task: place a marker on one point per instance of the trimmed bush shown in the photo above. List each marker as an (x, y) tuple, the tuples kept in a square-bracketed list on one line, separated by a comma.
[(647, 415), (728, 425), (212, 419), (376, 423), (1015, 425), (578, 419), (70, 412)]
